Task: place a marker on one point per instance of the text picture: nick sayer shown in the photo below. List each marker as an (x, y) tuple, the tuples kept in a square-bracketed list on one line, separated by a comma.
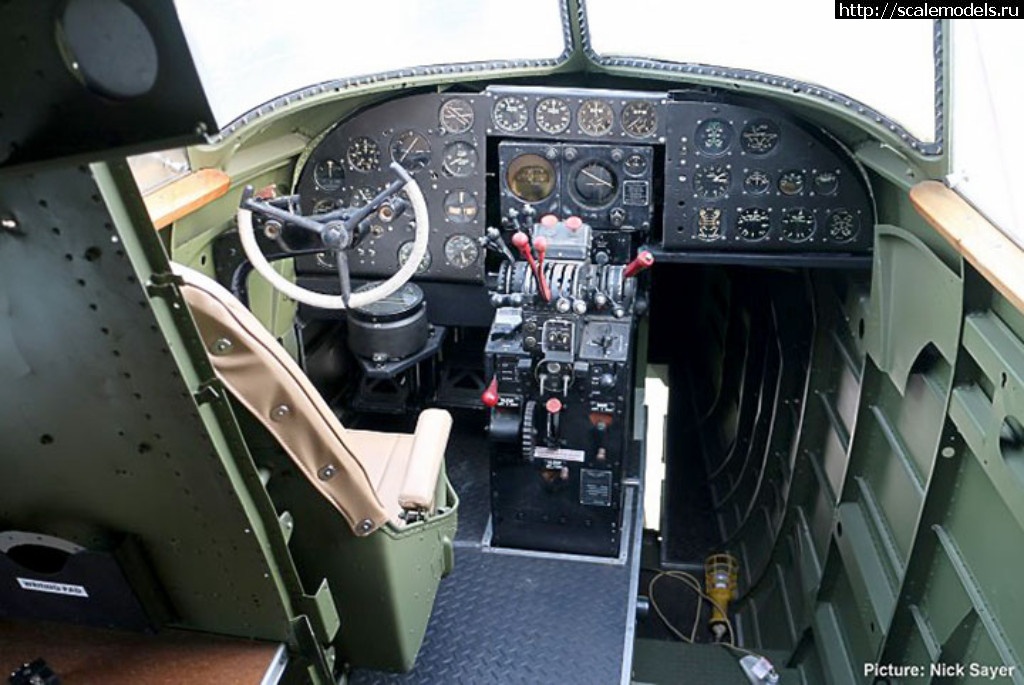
[(975, 670)]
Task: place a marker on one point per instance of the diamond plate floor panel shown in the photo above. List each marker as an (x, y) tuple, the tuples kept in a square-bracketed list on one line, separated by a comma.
[(507, 619)]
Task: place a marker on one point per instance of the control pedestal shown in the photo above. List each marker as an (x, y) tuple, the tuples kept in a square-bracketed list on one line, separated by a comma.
[(560, 359)]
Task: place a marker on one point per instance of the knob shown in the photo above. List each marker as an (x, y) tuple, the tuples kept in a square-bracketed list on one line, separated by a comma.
[(563, 305), (490, 396), (579, 307), (606, 380), (553, 405), (601, 258), (548, 220), (616, 155), (644, 260), (617, 216), (574, 223)]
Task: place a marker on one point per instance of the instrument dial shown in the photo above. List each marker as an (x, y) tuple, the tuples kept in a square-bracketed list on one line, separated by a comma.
[(328, 175), (460, 207), (826, 182), (596, 118), (459, 159), (405, 249), (798, 225), (411, 149), (639, 119), (510, 114), (759, 137), (709, 224), (456, 116), (363, 155), (757, 182), (595, 184), (753, 224), (635, 164), (361, 196), (712, 182), (715, 136), (531, 178), (461, 251), (791, 182), (553, 115), (842, 226)]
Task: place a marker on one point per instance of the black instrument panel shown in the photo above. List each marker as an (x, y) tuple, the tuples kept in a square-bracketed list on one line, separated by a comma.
[(697, 176), (737, 179)]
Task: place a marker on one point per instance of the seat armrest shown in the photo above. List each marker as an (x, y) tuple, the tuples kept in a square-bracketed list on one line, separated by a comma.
[(428, 447)]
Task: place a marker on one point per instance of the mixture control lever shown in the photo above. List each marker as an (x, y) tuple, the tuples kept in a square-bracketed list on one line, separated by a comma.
[(644, 260)]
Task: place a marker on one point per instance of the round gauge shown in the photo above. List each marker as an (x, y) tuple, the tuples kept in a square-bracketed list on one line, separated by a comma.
[(361, 196), (510, 114), (456, 116), (405, 249), (714, 136), (712, 182), (460, 207), (826, 182), (531, 178), (639, 119), (411, 150), (798, 224), (595, 118), (635, 164), (459, 159), (328, 175), (842, 226), (325, 205), (753, 224), (461, 251), (791, 182), (759, 137), (552, 115), (595, 184), (363, 155), (757, 182)]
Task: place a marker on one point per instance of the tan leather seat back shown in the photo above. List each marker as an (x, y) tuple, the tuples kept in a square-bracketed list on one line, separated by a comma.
[(268, 382)]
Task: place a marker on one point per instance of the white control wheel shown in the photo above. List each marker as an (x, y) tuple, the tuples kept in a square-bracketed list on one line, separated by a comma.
[(358, 299)]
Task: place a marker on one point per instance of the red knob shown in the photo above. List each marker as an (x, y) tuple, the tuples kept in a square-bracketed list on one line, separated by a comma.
[(540, 243), (548, 220), (644, 260), (573, 223), (553, 405), (520, 240), (490, 396)]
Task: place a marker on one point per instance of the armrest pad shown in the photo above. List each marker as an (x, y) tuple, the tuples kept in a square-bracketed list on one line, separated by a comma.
[(428, 447)]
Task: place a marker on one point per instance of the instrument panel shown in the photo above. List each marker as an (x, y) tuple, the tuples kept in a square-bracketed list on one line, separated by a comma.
[(695, 176)]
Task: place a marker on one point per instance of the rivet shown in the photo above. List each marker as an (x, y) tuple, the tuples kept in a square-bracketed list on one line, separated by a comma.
[(326, 473), (221, 346), (8, 224), (280, 412), (365, 526)]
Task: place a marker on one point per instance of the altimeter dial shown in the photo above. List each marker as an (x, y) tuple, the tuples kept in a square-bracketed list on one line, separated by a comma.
[(753, 224)]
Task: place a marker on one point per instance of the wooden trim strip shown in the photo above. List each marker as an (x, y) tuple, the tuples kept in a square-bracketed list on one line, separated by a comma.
[(184, 196), (989, 250)]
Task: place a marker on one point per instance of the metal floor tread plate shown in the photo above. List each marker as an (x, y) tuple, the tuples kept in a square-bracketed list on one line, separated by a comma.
[(506, 619)]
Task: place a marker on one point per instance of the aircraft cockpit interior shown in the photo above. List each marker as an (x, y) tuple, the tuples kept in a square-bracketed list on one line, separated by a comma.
[(344, 355)]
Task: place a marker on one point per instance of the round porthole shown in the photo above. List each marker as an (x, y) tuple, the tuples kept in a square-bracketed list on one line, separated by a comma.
[(108, 48)]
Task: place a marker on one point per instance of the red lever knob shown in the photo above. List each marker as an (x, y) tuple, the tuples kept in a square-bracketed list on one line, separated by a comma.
[(644, 260), (553, 405), (548, 220), (490, 396), (574, 223), (521, 241), (540, 243)]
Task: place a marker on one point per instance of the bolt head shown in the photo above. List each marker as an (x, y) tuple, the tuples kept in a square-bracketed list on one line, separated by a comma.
[(221, 346), (280, 412)]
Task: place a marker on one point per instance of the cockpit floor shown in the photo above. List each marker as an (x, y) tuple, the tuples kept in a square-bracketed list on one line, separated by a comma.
[(507, 617)]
